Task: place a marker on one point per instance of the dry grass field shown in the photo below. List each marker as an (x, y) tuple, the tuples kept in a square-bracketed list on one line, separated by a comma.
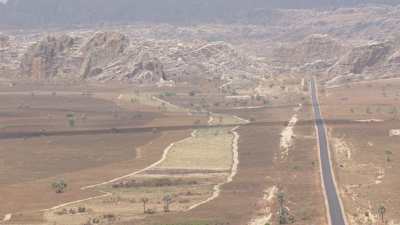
[(191, 172), (30, 165), (366, 157), (251, 197), (202, 171)]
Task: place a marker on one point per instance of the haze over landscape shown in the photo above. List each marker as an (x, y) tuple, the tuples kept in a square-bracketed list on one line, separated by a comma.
[(199, 112), (49, 12)]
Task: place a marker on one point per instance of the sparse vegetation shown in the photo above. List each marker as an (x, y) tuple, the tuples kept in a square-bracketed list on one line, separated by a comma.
[(167, 199), (144, 201), (59, 186), (381, 213), (71, 119)]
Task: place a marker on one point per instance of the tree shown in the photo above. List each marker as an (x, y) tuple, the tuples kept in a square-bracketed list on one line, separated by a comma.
[(144, 201), (167, 202), (71, 119), (59, 186), (381, 212)]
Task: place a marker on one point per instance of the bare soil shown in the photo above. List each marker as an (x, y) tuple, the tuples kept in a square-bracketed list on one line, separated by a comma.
[(367, 169)]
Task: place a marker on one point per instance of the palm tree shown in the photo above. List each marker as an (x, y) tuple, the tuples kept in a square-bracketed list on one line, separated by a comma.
[(167, 201), (282, 210), (381, 212), (144, 201)]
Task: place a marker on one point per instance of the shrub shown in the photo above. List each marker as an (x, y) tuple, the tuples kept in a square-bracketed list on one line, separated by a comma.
[(150, 211), (81, 209), (59, 186)]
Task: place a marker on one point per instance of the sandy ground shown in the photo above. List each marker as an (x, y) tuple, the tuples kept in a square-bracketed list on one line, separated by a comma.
[(287, 135), (168, 162), (235, 163), (365, 160), (265, 215)]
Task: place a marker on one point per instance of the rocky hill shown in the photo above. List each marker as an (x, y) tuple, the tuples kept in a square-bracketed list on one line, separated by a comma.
[(102, 50), (339, 45), (47, 58), (106, 56)]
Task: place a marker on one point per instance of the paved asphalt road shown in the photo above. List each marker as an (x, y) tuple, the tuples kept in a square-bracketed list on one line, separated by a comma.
[(335, 208)]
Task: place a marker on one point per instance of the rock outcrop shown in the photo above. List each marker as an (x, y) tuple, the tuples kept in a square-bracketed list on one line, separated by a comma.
[(314, 48), (4, 41), (363, 59), (47, 58), (101, 51), (148, 70)]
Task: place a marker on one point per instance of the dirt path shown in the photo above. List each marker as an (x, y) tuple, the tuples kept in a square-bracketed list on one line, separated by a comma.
[(266, 216), (164, 156), (105, 194)]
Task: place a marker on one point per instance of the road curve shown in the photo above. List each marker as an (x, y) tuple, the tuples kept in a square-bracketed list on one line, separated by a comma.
[(335, 209)]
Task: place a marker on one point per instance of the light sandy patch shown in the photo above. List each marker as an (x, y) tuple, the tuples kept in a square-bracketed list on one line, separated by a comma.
[(150, 99), (210, 120), (169, 105), (139, 153), (249, 107), (287, 137), (241, 120), (207, 149), (105, 194), (363, 219), (370, 121), (163, 158), (287, 134), (380, 176), (271, 193), (229, 82), (265, 216), (394, 132), (342, 150), (234, 170), (392, 222), (7, 217), (261, 220), (223, 119)]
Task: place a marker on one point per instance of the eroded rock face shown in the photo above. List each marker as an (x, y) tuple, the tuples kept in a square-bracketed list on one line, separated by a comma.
[(148, 70), (4, 41), (395, 58), (46, 59), (102, 50), (361, 59), (312, 49)]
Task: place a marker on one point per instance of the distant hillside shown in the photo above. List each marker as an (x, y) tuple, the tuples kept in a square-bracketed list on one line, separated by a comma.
[(58, 12)]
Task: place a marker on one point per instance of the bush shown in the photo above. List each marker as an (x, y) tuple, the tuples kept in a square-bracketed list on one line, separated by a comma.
[(81, 210), (169, 94), (59, 186), (150, 211), (109, 217)]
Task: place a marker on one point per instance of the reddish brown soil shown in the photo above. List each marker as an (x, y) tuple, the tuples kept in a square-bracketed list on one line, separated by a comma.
[(28, 193), (45, 112), (370, 146)]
